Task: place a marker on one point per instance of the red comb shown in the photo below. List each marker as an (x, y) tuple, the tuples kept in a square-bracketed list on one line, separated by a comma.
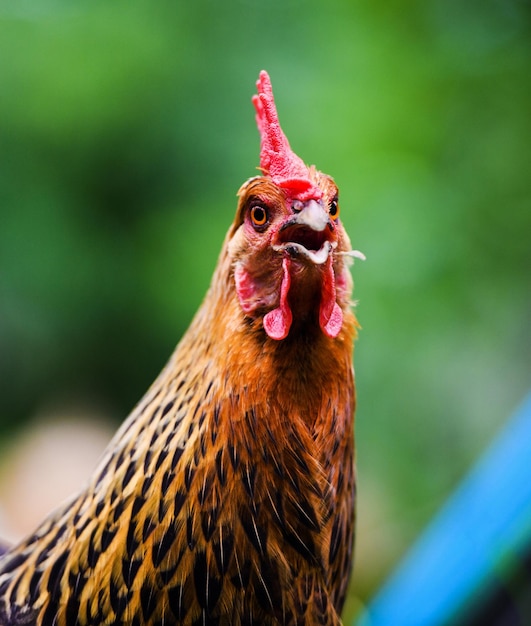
[(276, 157)]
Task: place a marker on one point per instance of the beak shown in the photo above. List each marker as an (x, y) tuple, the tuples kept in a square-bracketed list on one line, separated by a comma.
[(311, 215), (303, 234)]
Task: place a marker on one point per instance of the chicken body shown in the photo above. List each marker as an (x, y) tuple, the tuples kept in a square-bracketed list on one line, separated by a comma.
[(227, 497)]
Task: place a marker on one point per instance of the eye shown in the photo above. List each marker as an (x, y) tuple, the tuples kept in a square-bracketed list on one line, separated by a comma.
[(333, 208), (259, 215)]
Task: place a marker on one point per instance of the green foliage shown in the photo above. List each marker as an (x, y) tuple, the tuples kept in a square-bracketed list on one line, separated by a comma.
[(125, 131)]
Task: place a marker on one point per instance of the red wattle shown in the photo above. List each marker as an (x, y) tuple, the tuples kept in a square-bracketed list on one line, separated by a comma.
[(330, 313), (278, 321)]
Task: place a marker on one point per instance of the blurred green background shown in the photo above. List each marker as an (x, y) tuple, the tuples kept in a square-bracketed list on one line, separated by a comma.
[(125, 132)]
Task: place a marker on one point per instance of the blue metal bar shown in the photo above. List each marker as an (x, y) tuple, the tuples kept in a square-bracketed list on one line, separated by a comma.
[(486, 522)]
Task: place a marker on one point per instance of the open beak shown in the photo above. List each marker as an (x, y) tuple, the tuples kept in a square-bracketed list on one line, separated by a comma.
[(310, 233)]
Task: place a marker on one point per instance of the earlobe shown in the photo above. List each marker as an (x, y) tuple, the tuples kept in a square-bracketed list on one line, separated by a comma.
[(245, 289)]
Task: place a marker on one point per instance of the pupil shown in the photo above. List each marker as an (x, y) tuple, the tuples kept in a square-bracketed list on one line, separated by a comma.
[(259, 214)]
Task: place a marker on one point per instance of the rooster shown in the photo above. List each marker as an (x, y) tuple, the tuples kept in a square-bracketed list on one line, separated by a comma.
[(228, 495)]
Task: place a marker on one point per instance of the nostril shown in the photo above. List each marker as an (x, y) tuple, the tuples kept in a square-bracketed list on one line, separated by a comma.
[(297, 206)]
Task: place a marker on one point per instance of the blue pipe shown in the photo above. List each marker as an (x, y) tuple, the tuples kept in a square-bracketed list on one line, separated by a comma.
[(484, 524)]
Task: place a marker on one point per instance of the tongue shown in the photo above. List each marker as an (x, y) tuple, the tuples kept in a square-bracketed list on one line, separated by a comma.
[(330, 313), (278, 321)]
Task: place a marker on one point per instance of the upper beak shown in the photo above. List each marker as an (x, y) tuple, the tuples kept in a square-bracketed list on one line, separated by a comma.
[(312, 215)]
